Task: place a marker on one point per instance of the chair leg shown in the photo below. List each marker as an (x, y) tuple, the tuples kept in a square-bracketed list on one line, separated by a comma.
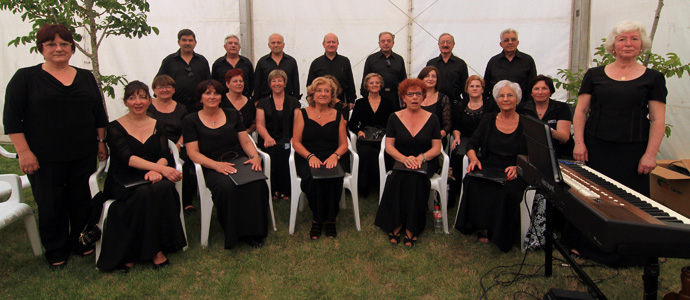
[(206, 210), (101, 225), (355, 209), (270, 207), (178, 187), (32, 231), (294, 203)]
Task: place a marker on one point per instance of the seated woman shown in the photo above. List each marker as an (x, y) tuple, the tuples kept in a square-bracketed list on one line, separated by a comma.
[(144, 221), (465, 119), (370, 114), (233, 99), (557, 115), (486, 205), (212, 136), (413, 137), (275, 116), (167, 111), (320, 139), (435, 102)]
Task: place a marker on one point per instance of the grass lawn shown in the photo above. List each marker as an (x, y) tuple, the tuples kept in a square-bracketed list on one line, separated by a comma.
[(355, 265)]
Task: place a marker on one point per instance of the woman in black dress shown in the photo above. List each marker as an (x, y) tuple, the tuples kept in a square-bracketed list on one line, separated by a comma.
[(465, 119), (413, 137), (369, 114), (320, 139), (55, 118), (167, 111), (215, 134), (620, 118), (435, 102), (619, 123), (486, 205), (233, 99), (275, 116), (144, 221)]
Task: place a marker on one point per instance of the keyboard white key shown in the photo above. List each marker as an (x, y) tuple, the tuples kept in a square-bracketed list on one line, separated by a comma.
[(644, 198)]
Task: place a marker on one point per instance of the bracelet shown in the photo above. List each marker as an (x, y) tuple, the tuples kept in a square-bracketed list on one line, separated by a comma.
[(100, 140), (181, 145), (424, 156), (336, 154), (255, 155), (310, 156)]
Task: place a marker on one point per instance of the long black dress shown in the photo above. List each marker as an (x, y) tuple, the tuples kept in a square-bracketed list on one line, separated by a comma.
[(323, 194), (363, 115), (405, 195), (144, 219), (279, 126), (486, 204), (242, 210)]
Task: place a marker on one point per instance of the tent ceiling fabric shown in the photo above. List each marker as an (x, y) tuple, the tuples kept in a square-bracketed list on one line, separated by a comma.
[(544, 28)]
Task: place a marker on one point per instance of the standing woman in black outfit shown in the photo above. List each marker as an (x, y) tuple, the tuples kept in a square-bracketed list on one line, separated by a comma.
[(275, 116), (488, 206), (215, 134), (613, 134), (369, 114), (144, 221), (55, 117), (413, 137), (320, 139)]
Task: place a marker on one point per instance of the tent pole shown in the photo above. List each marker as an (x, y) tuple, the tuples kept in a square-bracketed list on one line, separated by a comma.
[(579, 39), (410, 19), (247, 29)]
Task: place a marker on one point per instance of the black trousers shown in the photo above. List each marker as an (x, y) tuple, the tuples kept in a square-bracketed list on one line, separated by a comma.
[(61, 190)]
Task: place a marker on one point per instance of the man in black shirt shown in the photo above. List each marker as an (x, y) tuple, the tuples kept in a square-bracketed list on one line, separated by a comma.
[(389, 65), (452, 69), (233, 60), (277, 59), (331, 63), (510, 64), (187, 68)]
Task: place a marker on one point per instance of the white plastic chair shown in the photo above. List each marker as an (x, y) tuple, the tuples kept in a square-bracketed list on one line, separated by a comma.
[(95, 188), (207, 201), (439, 183), (525, 206), (24, 180), (15, 208), (297, 198)]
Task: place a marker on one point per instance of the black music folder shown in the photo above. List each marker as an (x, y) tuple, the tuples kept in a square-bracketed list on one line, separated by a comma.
[(244, 173), (323, 173), (401, 166), (493, 174)]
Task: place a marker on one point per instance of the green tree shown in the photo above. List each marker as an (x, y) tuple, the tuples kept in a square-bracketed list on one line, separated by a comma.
[(99, 19)]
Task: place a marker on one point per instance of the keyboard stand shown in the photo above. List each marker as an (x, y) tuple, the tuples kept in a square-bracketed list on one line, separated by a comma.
[(551, 242)]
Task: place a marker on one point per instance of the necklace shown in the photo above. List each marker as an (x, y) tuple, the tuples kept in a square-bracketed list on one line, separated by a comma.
[(624, 76)]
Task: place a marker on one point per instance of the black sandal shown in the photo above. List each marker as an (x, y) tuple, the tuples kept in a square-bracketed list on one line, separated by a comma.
[(394, 238), (331, 232), (410, 240), (315, 231)]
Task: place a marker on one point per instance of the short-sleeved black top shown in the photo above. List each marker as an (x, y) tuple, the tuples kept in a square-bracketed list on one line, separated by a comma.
[(172, 121), (214, 142), (619, 109), (407, 144), (59, 122), (363, 115)]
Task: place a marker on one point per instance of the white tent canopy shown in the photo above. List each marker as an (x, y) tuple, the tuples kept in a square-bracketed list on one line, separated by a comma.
[(544, 32)]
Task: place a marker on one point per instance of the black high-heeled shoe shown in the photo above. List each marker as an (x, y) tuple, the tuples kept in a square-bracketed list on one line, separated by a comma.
[(394, 238), (411, 240), (331, 232), (315, 231)]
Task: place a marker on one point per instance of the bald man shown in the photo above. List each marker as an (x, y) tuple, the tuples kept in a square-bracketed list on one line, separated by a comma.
[(277, 59), (332, 63)]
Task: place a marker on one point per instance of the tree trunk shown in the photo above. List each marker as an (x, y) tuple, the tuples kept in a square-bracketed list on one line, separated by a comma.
[(92, 31), (657, 15)]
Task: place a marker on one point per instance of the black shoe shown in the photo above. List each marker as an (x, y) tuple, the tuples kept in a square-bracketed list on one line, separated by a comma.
[(162, 265), (58, 267), (123, 269), (331, 232), (255, 242)]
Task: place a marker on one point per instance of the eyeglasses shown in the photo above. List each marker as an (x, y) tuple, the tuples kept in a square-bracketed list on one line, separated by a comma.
[(52, 45), (445, 42), (388, 62), (418, 94), (164, 87)]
